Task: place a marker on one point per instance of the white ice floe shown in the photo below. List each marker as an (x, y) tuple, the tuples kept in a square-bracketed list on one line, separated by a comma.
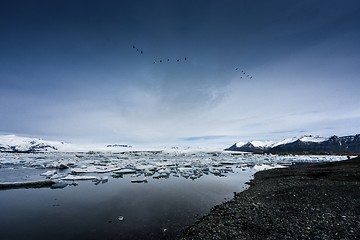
[(78, 178), (57, 176), (49, 173), (94, 169), (185, 169), (145, 167), (104, 179), (145, 164), (263, 167), (59, 184)]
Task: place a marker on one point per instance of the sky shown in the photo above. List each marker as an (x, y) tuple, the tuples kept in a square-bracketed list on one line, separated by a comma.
[(69, 70)]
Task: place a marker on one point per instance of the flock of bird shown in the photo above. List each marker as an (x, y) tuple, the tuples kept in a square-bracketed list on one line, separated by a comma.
[(137, 49), (243, 73), (168, 60), (161, 60)]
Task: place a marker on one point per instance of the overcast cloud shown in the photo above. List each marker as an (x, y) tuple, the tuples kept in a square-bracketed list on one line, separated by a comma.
[(68, 70)]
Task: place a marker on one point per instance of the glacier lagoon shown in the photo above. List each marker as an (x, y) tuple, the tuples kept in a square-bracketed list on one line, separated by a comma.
[(124, 195)]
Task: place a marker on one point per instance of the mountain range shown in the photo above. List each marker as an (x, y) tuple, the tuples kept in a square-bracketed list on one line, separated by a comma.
[(306, 144), (12, 143)]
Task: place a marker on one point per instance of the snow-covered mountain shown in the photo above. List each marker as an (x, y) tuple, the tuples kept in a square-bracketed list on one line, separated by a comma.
[(12, 143), (303, 144), (18, 144), (266, 145)]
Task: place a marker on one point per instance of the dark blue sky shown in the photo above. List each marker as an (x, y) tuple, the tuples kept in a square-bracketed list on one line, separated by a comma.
[(68, 69)]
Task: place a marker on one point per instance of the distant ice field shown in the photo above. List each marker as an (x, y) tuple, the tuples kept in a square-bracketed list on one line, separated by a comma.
[(141, 165)]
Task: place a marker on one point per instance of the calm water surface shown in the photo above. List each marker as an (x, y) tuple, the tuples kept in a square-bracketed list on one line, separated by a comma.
[(158, 209)]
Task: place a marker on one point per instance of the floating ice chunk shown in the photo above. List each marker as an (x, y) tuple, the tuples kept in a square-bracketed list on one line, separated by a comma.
[(48, 173), (165, 164), (50, 165), (185, 169), (57, 176), (104, 179), (156, 175), (59, 184), (75, 178), (38, 166), (94, 169), (145, 167), (161, 175), (164, 171), (216, 172), (136, 175), (185, 175), (193, 177), (147, 172)]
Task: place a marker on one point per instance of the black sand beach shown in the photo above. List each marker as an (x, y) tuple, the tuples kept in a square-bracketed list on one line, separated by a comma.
[(312, 201)]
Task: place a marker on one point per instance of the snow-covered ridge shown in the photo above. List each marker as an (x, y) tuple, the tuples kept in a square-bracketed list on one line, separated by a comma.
[(306, 144), (12, 143), (18, 144), (305, 138), (271, 144)]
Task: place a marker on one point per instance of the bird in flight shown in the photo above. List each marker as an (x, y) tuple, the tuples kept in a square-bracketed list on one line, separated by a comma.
[(160, 60), (244, 73)]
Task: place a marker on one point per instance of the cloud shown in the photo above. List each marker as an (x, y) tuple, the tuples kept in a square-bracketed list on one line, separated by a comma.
[(76, 76), (198, 138)]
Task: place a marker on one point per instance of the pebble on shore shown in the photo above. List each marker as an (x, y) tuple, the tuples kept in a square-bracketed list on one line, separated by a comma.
[(314, 201)]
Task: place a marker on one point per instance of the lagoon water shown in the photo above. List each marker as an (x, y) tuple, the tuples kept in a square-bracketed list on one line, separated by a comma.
[(179, 188), (158, 209)]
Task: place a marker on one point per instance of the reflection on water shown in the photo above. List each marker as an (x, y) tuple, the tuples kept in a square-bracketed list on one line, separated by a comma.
[(154, 210)]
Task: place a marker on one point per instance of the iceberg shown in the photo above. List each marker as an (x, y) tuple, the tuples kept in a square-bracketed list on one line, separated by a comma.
[(76, 178), (59, 184), (49, 173)]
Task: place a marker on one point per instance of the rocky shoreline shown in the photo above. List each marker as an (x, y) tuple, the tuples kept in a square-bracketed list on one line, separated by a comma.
[(312, 201)]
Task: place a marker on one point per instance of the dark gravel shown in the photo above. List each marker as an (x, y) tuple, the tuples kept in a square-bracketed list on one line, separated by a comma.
[(313, 201)]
